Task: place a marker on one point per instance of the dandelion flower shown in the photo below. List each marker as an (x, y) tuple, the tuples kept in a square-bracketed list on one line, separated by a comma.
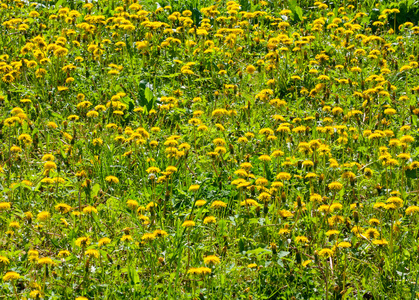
[(4, 206), (159, 233), (64, 253), (306, 263), (188, 223), (112, 179), (250, 69), (325, 252), (332, 232), (283, 176), (43, 216), (395, 201), (147, 237), (335, 186), (45, 261), (344, 245), (211, 260), (104, 241), (82, 241), (301, 239), (412, 210), (204, 270), (126, 237), (218, 204), (371, 233), (193, 271), (89, 210), (132, 204), (200, 203), (381, 242), (194, 187), (63, 208), (4, 261), (10, 276), (92, 253)]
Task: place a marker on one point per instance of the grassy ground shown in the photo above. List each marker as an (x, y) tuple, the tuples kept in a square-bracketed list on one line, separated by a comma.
[(209, 150)]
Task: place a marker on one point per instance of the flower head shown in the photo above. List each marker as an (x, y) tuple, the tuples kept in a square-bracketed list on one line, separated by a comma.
[(11, 276), (211, 260), (325, 252), (188, 224)]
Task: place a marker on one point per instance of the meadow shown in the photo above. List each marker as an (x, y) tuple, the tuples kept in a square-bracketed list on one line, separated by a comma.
[(209, 150)]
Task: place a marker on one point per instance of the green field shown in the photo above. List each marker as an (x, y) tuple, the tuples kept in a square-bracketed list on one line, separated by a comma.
[(209, 150)]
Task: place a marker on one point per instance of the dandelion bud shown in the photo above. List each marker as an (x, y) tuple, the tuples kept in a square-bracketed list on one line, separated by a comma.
[(379, 189), (348, 223), (274, 248), (356, 217), (86, 183), (283, 196), (109, 258), (321, 178), (257, 211), (336, 288), (225, 237), (224, 251), (265, 208), (87, 265), (299, 202), (298, 257), (231, 148)]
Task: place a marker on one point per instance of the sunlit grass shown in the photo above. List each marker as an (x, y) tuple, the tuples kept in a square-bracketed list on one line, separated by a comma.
[(264, 150)]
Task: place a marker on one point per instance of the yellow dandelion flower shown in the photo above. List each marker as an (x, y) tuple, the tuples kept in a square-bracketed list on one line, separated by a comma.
[(211, 260), (209, 220), (335, 186), (93, 253), (344, 245), (5, 206), (11, 276), (200, 203), (218, 204), (4, 260), (188, 223), (82, 241), (104, 241), (325, 252), (45, 261), (43, 216), (112, 179)]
